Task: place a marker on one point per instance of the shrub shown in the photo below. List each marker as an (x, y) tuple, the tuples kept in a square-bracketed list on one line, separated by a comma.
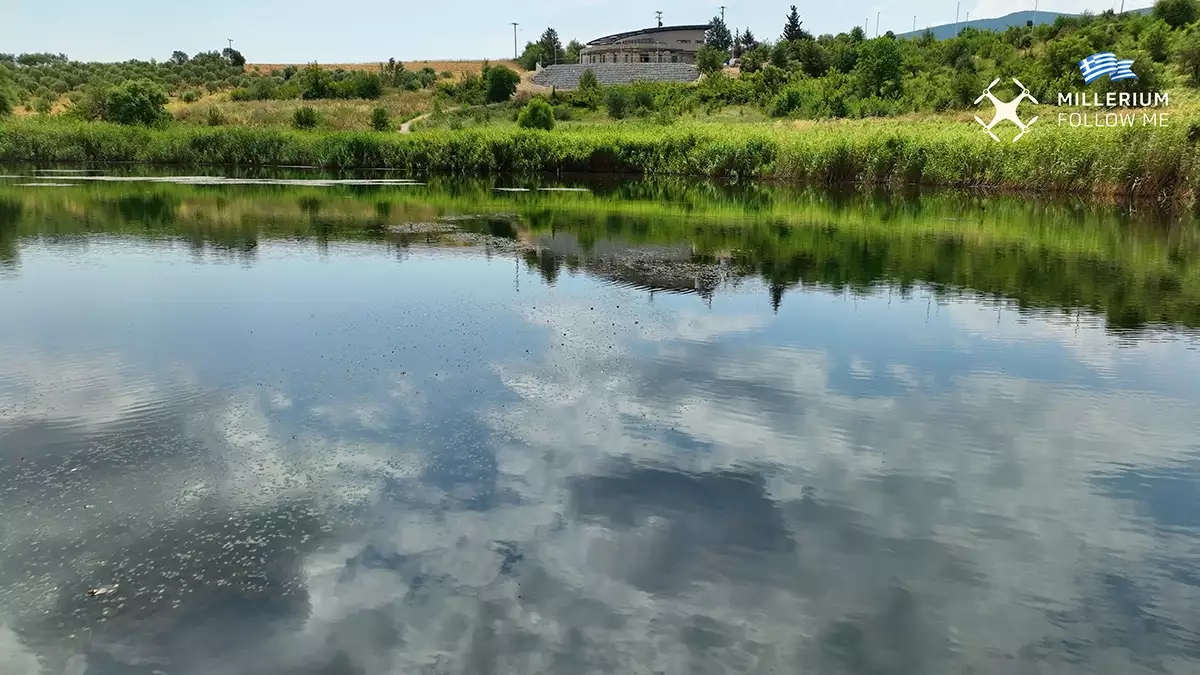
[(43, 106), (358, 84), (446, 75), (190, 96), (709, 59), (1177, 13), (617, 102), (214, 117), (537, 115), (305, 117), (135, 102), (380, 120), (240, 94), (501, 83), (315, 83), (562, 113)]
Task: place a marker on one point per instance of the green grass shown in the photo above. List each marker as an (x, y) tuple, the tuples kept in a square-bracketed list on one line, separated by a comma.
[(1160, 163)]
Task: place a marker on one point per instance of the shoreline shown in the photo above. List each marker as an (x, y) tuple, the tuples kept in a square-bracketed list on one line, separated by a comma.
[(1119, 163)]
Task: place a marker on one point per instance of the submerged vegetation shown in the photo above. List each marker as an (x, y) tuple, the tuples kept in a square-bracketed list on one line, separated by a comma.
[(1135, 269)]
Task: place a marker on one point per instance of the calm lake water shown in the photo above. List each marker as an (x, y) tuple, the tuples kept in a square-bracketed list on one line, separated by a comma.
[(334, 428)]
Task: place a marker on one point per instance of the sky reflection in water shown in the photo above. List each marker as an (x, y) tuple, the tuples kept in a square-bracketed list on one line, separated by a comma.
[(330, 461)]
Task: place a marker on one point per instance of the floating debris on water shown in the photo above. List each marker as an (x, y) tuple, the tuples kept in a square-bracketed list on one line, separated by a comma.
[(563, 189), (423, 228), (44, 184), (510, 189), (102, 590)]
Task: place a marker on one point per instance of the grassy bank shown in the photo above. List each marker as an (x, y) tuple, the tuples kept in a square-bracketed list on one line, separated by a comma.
[(1160, 163)]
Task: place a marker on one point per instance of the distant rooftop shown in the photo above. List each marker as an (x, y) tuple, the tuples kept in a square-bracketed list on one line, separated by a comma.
[(609, 39)]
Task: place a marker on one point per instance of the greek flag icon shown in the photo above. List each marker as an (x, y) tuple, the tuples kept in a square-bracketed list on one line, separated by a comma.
[(1106, 63)]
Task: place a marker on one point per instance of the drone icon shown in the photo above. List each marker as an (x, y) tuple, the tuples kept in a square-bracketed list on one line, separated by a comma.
[(1006, 110)]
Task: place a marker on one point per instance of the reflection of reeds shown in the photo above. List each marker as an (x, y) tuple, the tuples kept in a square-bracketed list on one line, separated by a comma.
[(1044, 253), (1154, 162)]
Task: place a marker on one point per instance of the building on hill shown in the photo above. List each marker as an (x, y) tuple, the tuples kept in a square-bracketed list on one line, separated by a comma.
[(664, 44)]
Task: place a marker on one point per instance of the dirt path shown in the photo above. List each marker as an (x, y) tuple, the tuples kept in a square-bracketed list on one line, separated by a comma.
[(405, 128)]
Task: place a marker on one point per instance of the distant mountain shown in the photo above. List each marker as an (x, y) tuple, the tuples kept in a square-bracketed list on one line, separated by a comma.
[(1000, 24)]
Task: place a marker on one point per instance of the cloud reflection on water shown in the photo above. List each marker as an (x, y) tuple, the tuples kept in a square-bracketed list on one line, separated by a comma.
[(677, 491)]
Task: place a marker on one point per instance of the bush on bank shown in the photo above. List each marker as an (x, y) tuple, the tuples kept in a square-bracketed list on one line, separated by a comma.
[(1158, 162)]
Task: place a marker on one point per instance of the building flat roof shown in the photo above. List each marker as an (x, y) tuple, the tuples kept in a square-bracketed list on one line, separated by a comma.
[(609, 39)]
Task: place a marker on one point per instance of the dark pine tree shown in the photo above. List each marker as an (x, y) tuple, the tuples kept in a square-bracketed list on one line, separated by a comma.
[(718, 35), (791, 27)]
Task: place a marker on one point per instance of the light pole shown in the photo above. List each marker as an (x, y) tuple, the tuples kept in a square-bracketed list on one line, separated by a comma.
[(722, 13), (956, 9), (877, 23), (515, 55), (914, 23)]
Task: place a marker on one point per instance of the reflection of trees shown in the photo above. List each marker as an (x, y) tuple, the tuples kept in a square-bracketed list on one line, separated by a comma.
[(10, 213), (546, 263)]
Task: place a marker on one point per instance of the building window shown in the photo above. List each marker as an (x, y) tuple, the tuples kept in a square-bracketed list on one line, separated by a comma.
[(674, 58), (685, 42), (645, 58)]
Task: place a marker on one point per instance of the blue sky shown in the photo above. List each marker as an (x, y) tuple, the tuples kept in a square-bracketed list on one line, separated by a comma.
[(272, 31)]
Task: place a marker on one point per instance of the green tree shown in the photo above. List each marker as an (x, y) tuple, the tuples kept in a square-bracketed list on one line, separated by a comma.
[(573, 49), (234, 57), (878, 70), (754, 59), (531, 56), (538, 114), (710, 60), (811, 57), (748, 40), (1177, 13), (792, 29), (1188, 52), (380, 120), (135, 102), (718, 35), (780, 55), (179, 58), (315, 83), (500, 83), (857, 34), (552, 48), (1156, 40)]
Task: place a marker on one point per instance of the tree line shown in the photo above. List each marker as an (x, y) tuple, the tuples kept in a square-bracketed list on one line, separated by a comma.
[(849, 75)]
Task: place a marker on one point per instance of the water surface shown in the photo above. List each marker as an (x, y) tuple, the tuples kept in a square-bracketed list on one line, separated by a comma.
[(333, 428)]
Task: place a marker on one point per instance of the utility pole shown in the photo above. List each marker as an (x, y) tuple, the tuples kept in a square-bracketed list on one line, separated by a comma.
[(658, 15), (722, 13), (1122, 6), (230, 41), (515, 54), (877, 23), (914, 23), (956, 8)]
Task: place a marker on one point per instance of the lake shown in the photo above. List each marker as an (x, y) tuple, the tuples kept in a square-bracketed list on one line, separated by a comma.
[(268, 423)]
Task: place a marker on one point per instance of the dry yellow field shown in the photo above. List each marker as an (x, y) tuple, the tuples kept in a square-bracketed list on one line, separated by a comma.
[(459, 68)]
